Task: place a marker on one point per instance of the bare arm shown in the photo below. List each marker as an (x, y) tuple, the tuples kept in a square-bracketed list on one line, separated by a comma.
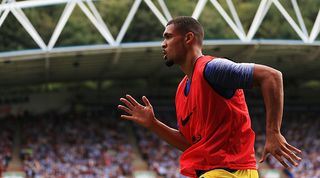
[(144, 115), (270, 82)]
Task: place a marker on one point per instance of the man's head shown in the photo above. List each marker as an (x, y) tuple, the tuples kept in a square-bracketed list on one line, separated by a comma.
[(186, 24), (181, 34)]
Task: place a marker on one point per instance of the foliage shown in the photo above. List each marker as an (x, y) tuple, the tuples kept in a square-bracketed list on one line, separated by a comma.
[(145, 26)]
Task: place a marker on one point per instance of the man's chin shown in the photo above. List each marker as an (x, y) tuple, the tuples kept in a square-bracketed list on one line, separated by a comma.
[(169, 62)]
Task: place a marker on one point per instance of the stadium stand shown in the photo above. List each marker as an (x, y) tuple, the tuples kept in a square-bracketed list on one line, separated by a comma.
[(72, 145), (301, 130), (6, 143), (97, 144), (161, 157)]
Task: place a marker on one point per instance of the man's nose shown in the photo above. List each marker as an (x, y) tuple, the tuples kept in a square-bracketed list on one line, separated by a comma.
[(163, 44)]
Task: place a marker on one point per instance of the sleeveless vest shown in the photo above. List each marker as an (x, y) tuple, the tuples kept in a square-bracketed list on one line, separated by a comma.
[(218, 129)]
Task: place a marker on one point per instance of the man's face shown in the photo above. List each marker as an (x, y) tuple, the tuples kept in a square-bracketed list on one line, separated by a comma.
[(173, 48)]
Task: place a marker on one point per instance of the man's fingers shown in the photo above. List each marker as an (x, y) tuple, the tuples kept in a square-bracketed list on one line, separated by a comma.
[(127, 103), (294, 149), (125, 109), (132, 100), (291, 154), (279, 158), (146, 101), (131, 118), (289, 158), (263, 157)]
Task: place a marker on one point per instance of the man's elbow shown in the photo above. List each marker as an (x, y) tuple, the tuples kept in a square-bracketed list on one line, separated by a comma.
[(272, 80), (276, 75), (266, 75)]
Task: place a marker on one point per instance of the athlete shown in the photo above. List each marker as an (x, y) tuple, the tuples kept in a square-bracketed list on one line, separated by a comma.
[(215, 132)]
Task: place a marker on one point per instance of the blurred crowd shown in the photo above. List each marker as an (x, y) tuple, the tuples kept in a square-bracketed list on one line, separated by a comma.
[(301, 129), (6, 142), (161, 157), (94, 144), (75, 145)]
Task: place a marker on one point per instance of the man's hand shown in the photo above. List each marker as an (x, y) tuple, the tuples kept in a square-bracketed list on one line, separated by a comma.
[(277, 146), (138, 113)]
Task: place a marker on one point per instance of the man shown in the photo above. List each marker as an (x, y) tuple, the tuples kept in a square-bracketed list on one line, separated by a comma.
[(215, 132)]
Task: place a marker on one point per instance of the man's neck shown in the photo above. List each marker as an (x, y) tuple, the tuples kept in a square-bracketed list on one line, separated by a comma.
[(190, 61)]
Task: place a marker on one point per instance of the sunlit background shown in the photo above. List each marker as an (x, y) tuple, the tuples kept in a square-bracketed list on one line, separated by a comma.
[(64, 64)]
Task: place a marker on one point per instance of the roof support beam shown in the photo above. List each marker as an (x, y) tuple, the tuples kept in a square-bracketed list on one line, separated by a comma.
[(235, 15), (24, 21), (4, 16), (33, 3), (315, 29), (62, 22), (163, 15), (6, 11), (165, 9), (156, 12), (2, 3), (299, 16), (101, 22), (290, 20), (101, 28), (226, 17), (128, 20), (260, 14), (199, 8)]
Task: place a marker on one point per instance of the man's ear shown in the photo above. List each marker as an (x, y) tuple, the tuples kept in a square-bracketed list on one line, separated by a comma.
[(189, 37)]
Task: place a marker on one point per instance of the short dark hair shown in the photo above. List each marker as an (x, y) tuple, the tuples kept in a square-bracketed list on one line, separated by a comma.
[(185, 24)]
